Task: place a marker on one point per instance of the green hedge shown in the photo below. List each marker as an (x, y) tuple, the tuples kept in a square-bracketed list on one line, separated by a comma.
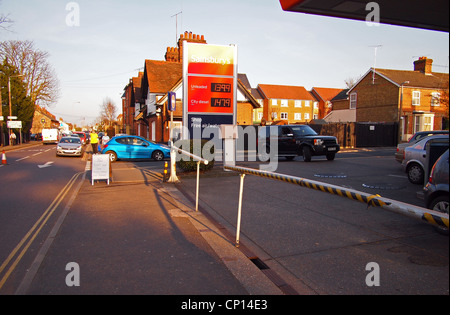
[(187, 163)]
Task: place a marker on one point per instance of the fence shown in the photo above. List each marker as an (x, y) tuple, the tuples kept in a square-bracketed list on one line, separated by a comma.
[(349, 135)]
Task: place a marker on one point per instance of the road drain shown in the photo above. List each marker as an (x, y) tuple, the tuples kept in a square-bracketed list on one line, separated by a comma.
[(259, 263)]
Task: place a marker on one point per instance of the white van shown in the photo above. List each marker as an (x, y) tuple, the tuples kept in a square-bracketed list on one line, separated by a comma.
[(50, 135)]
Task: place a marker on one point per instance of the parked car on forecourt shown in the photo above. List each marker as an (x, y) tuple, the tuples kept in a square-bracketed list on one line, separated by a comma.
[(294, 140), (414, 139), (69, 146), (436, 190), (415, 156), (135, 147)]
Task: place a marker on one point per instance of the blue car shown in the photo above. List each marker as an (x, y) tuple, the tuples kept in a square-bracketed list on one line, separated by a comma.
[(135, 147)]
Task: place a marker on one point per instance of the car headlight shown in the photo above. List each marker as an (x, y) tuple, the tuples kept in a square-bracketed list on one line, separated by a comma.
[(318, 141)]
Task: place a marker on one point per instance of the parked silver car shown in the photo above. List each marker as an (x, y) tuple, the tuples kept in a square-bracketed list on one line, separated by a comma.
[(437, 189), (414, 139), (69, 146), (415, 156)]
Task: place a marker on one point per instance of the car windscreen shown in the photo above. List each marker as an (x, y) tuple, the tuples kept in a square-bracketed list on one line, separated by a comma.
[(70, 140), (303, 131)]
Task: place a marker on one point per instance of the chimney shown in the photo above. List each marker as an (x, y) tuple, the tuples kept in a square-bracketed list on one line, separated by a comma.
[(423, 65)]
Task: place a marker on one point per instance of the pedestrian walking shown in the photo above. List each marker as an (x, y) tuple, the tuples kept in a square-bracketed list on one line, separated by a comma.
[(94, 141), (105, 140), (12, 138)]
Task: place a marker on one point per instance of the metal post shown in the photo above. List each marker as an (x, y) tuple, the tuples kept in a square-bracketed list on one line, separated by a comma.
[(173, 169), (238, 228), (198, 184)]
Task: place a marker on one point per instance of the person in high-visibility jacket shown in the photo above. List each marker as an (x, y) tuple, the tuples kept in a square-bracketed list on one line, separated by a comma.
[(94, 141)]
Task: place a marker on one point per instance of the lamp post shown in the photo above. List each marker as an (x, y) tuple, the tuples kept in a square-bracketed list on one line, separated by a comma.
[(9, 93), (400, 123)]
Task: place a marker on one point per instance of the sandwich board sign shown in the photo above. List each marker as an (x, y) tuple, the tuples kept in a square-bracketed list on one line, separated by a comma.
[(100, 169), (209, 88)]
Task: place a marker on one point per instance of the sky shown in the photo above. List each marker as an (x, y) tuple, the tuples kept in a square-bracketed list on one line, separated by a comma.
[(96, 58)]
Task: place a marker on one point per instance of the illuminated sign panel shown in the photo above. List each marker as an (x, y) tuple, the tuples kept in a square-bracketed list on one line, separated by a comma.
[(209, 86), (204, 94)]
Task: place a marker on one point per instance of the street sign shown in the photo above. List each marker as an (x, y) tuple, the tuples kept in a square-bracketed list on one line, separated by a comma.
[(209, 86), (12, 117), (14, 124), (172, 101)]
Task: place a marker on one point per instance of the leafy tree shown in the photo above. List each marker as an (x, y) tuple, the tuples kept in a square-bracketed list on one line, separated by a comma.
[(21, 104)]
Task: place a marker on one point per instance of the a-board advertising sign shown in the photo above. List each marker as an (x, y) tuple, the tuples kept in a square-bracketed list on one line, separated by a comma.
[(209, 87), (100, 169)]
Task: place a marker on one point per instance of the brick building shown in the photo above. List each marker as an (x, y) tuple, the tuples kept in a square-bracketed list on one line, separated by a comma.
[(410, 98), (324, 97), (292, 104)]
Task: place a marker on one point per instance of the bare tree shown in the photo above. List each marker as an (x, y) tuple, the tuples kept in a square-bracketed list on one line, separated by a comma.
[(42, 82), (349, 82), (5, 22), (108, 112)]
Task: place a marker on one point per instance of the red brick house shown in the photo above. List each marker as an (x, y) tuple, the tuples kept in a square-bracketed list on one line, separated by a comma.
[(410, 98), (324, 97)]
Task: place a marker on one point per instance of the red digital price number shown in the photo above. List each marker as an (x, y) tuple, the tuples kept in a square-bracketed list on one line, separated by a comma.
[(221, 102), (221, 87)]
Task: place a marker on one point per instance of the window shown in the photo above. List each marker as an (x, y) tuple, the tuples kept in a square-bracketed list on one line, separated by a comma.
[(284, 103), (416, 98), (435, 98), (316, 105), (284, 115), (274, 102), (307, 103), (298, 103), (306, 116), (353, 98), (298, 116), (427, 123), (260, 116)]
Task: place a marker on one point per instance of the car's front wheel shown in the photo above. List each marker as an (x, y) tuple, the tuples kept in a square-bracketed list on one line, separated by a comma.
[(415, 174), (158, 155), (440, 204), (331, 156), (306, 154), (112, 156)]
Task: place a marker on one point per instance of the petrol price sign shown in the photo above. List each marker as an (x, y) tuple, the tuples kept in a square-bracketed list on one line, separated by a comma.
[(210, 83)]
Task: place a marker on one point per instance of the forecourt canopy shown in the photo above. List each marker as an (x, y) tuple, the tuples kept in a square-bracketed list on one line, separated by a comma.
[(432, 15)]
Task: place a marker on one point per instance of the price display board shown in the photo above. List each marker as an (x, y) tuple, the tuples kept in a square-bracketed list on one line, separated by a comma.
[(210, 84)]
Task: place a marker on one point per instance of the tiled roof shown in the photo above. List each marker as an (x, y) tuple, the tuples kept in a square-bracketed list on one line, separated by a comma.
[(285, 92), (341, 96), (415, 78), (326, 94), (137, 83), (162, 75)]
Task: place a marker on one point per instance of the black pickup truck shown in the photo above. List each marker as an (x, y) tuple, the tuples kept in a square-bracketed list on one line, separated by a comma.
[(295, 140)]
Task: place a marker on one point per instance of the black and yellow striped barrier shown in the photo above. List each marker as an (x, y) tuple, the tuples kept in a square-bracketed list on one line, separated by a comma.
[(427, 215)]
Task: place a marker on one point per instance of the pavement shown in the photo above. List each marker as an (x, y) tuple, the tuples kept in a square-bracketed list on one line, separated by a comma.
[(140, 235)]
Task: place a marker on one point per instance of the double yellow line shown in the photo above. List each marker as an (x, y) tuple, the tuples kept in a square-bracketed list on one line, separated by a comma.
[(28, 239)]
